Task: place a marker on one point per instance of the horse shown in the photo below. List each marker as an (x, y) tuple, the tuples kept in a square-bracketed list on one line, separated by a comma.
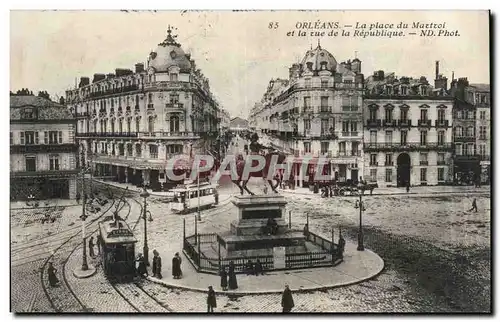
[(240, 166)]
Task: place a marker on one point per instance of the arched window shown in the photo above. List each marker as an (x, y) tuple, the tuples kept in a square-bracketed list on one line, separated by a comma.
[(136, 100), (128, 125), (95, 126), (120, 125), (137, 124), (323, 65), (112, 126), (309, 65), (174, 124), (151, 124)]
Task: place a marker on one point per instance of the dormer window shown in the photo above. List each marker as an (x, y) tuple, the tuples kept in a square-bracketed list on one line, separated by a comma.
[(28, 114), (323, 65), (309, 65), (174, 77), (388, 90), (404, 90), (422, 90)]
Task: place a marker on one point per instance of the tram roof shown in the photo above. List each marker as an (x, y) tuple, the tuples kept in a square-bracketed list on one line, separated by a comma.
[(117, 232), (193, 187)]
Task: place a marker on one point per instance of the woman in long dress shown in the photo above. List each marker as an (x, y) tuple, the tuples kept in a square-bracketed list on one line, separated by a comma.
[(233, 283), (223, 278), (51, 271)]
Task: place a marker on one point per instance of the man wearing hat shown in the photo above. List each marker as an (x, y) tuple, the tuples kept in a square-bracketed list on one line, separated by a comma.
[(156, 265)]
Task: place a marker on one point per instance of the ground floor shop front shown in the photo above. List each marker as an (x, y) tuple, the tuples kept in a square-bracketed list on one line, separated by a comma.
[(40, 188)]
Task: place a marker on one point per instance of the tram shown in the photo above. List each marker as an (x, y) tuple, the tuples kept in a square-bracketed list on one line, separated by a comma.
[(117, 247), (186, 197)]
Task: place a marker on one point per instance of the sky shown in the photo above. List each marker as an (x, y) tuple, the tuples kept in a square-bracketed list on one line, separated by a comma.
[(236, 51)]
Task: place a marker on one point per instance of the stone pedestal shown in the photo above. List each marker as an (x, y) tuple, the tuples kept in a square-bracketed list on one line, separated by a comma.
[(249, 234)]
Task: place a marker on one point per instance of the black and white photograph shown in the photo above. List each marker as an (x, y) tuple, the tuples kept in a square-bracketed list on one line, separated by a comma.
[(235, 162)]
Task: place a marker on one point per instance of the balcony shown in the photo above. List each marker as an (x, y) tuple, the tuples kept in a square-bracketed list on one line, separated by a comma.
[(107, 135), (465, 139), (482, 137), (404, 123), (44, 148), (373, 123), (349, 153), (389, 123), (349, 108), (151, 107), (82, 114), (350, 134), (307, 110), (424, 162), (374, 164), (389, 163), (442, 123), (174, 107), (124, 89), (424, 123), (441, 163), (408, 147), (325, 109), (168, 135)]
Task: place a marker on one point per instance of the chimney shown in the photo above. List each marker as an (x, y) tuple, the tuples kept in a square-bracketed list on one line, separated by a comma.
[(84, 81), (98, 77), (139, 67), (437, 69)]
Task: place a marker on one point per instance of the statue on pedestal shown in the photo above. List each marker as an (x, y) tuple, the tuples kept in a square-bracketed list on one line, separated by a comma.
[(258, 149)]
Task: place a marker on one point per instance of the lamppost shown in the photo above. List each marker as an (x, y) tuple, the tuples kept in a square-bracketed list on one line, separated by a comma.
[(198, 193), (83, 217), (361, 205), (145, 194)]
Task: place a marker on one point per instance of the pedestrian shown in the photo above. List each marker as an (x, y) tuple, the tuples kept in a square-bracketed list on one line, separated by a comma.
[(78, 197), (51, 272), (176, 266), (141, 268), (249, 268), (157, 265), (287, 300), (216, 195), (211, 300), (91, 247), (223, 278), (258, 268), (99, 243), (474, 205), (407, 186), (232, 282), (341, 246)]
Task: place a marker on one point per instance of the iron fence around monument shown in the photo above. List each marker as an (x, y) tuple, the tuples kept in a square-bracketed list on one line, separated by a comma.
[(328, 256)]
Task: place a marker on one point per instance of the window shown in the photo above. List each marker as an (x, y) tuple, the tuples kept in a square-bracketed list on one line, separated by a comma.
[(323, 65), (404, 90), (153, 151), (354, 128), (404, 114), (30, 137), (307, 125), (373, 114), (129, 150), (174, 98), (113, 150), (482, 149), (30, 163), (324, 147), (342, 148), (462, 114), (136, 101), (459, 131), (470, 131), (373, 159), (470, 149), (388, 114), (388, 136), (128, 125), (324, 126), (440, 174), (307, 147), (309, 65), (423, 174), (121, 149), (423, 137), (173, 77), (138, 150), (345, 127), (441, 115), (174, 124), (324, 103), (482, 132), (373, 137), (470, 115), (404, 137), (373, 175), (54, 162), (441, 138), (482, 115), (174, 148), (112, 126), (95, 126), (388, 175), (440, 159), (137, 123), (28, 114), (120, 125), (355, 149), (423, 159), (423, 114), (11, 138), (307, 102), (458, 149), (151, 124), (388, 159), (150, 97), (324, 83), (308, 82)]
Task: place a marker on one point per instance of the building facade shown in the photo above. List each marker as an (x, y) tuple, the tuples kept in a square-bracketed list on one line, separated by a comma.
[(131, 122), (43, 152), (238, 125), (408, 131), (315, 113), (480, 94)]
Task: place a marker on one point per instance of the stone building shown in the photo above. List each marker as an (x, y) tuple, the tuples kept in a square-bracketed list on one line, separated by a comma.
[(408, 134), (482, 101), (131, 122), (42, 149), (238, 125), (315, 113)]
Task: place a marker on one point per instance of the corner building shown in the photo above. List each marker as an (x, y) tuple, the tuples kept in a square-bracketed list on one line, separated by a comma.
[(408, 130), (316, 112), (131, 122)]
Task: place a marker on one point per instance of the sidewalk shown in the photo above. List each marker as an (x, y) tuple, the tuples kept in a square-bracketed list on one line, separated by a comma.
[(132, 187), (18, 205), (402, 191)]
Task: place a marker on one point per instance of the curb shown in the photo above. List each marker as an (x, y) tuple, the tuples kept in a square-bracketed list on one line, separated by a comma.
[(384, 194), (274, 291), (78, 273)]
